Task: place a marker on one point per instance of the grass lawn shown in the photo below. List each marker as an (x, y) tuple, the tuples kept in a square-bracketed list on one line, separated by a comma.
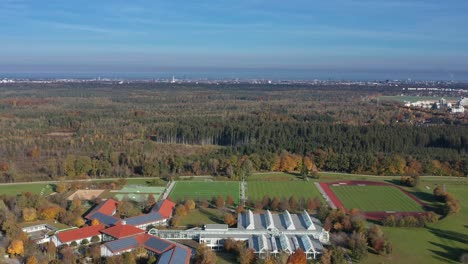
[(274, 176), (257, 189), (442, 242), (226, 258), (207, 189), (375, 198), (36, 188), (202, 216)]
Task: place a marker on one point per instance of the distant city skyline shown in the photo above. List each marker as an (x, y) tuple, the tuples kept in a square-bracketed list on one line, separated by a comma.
[(337, 39)]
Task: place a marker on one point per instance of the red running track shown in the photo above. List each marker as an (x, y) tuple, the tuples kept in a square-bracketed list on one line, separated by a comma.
[(378, 216)]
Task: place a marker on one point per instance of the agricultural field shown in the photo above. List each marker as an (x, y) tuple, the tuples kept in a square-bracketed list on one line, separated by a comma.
[(257, 189), (375, 198), (206, 190)]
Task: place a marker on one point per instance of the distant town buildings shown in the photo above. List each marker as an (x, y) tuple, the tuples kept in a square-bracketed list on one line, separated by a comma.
[(440, 104)]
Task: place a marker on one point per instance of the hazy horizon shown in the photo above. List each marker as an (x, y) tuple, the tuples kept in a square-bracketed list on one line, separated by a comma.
[(336, 39)]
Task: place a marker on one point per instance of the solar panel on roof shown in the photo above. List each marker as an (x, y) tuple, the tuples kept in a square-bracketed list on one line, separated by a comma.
[(180, 255), (143, 219), (105, 219), (165, 257), (121, 244), (157, 244)]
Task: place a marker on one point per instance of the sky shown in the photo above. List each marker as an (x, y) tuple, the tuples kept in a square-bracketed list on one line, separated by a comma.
[(404, 37)]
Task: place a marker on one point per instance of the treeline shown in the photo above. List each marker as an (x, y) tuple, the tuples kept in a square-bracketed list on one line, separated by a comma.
[(110, 130), (376, 149)]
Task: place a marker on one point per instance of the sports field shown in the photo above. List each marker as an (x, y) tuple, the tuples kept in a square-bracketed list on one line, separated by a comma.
[(256, 190), (375, 198), (206, 190), (37, 188)]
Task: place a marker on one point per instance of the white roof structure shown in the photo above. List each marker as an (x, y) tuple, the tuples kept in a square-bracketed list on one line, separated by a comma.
[(307, 220), (288, 220)]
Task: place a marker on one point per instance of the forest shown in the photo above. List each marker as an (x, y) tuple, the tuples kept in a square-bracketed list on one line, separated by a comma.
[(107, 130)]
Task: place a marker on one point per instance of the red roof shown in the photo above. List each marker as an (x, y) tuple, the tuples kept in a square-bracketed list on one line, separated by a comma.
[(122, 231), (107, 207), (166, 207), (80, 233)]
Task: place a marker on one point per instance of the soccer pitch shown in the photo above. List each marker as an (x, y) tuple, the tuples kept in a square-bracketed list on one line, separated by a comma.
[(205, 190), (256, 190), (375, 198)]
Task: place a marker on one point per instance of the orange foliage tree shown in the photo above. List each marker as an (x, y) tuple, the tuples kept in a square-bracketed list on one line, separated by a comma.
[(95, 222), (299, 257), (51, 213), (16, 248), (29, 214)]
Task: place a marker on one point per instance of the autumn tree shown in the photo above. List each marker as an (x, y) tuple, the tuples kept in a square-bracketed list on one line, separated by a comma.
[(189, 204), (51, 250), (32, 260), (229, 200), (246, 255), (298, 257), (293, 203), (95, 222), (358, 245), (79, 222), (219, 202), (274, 203), (29, 214), (150, 201), (326, 256), (181, 210), (204, 255), (229, 219), (51, 213), (16, 247)]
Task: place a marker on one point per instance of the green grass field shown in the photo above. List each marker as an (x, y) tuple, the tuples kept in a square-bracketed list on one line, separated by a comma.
[(208, 189), (442, 242), (274, 176), (37, 188), (257, 189), (375, 198), (202, 216)]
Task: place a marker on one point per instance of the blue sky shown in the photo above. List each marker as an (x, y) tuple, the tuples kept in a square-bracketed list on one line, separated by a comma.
[(130, 36)]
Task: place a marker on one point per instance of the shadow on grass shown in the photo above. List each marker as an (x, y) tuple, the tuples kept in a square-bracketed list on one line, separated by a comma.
[(424, 196), (226, 257), (212, 216), (448, 252), (396, 182), (450, 235)]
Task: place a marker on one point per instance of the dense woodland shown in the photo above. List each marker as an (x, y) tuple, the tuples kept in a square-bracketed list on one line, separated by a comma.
[(150, 129)]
